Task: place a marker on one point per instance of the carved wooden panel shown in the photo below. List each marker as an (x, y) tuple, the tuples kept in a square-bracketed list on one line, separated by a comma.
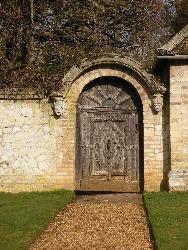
[(108, 142)]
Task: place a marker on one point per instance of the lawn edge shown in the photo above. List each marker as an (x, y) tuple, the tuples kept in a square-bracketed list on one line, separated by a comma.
[(152, 236), (54, 216)]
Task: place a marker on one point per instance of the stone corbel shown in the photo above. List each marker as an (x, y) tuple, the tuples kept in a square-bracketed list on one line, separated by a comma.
[(157, 102), (57, 103)]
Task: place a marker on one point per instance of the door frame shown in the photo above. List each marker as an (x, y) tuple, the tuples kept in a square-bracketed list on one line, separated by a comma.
[(155, 148)]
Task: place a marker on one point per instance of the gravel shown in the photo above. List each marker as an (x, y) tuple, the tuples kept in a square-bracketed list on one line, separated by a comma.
[(97, 226)]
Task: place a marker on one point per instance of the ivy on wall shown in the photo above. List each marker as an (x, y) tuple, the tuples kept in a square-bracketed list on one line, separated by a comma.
[(41, 40)]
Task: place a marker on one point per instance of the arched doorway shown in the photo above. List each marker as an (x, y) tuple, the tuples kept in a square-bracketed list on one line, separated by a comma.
[(109, 137)]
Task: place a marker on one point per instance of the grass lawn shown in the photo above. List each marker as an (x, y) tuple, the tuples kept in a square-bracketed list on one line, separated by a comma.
[(24, 216), (168, 217)]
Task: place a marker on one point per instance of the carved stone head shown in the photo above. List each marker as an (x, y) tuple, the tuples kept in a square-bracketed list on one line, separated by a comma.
[(57, 105), (157, 102)]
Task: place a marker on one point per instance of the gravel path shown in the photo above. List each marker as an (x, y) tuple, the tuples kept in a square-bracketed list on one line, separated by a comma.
[(97, 225)]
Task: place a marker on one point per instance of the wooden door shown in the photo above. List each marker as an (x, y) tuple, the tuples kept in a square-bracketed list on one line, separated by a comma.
[(108, 137)]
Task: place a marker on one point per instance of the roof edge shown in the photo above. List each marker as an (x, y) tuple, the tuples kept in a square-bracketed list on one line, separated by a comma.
[(174, 57), (176, 40)]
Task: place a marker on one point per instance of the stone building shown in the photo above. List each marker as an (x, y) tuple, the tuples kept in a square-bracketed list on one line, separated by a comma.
[(115, 127)]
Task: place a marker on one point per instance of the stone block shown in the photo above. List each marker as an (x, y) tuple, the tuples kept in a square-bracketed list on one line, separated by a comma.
[(178, 180)]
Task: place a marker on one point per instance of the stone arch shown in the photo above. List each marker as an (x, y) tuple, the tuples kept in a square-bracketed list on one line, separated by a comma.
[(124, 64), (125, 68), (148, 89), (84, 80)]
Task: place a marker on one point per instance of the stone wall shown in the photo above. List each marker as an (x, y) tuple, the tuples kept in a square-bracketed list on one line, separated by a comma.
[(31, 142), (37, 150), (178, 177)]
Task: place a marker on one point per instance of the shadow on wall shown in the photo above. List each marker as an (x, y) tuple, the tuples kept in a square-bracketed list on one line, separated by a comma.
[(166, 134)]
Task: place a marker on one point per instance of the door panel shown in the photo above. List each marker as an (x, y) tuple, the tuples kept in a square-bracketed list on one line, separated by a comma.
[(108, 139)]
